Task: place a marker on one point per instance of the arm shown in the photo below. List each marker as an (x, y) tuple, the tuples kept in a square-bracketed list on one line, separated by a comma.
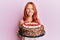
[(20, 24)]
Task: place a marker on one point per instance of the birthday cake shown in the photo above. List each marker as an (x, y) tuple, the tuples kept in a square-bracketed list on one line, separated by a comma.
[(32, 30)]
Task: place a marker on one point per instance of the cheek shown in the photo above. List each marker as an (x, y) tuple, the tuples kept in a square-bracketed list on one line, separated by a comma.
[(27, 10), (32, 11)]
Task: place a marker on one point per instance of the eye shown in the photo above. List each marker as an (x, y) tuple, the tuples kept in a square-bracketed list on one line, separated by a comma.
[(27, 8)]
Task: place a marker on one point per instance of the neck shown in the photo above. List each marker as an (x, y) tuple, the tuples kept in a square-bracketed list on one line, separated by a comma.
[(29, 19)]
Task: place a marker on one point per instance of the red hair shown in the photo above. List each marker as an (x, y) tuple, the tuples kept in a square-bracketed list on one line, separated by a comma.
[(35, 19)]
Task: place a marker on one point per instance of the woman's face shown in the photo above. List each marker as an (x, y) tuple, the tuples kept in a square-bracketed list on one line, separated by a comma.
[(30, 10)]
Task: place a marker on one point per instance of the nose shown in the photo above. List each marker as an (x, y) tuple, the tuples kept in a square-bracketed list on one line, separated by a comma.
[(29, 10)]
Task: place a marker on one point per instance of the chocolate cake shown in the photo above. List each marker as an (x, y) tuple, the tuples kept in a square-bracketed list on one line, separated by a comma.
[(32, 30)]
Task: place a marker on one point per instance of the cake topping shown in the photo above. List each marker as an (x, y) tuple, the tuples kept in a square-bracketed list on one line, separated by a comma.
[(31, 25)]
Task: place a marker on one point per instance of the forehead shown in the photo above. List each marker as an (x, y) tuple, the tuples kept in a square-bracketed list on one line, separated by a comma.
[(29, 6)]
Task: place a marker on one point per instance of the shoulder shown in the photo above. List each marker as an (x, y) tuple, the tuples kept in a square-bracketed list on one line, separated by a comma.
[(21, 21), (39, 20)]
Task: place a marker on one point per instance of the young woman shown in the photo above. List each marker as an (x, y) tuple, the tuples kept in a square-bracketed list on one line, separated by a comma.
[(30, 15)]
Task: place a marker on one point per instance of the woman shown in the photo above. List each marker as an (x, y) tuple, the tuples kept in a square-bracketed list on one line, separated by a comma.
[(30, 15)]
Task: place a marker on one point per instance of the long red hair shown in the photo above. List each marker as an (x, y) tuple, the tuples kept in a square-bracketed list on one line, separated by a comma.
[(35, 19)]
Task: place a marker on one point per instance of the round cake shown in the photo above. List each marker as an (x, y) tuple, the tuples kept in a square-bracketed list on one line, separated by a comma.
[(32, 30)]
